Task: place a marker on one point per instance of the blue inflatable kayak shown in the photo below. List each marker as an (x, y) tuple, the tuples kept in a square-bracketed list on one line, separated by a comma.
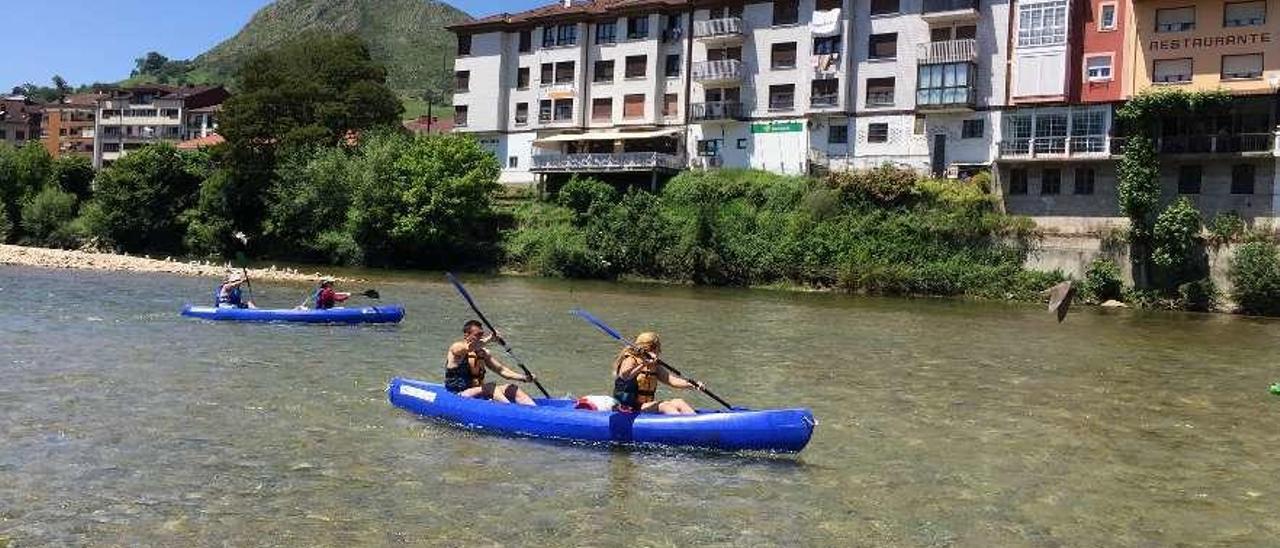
[(779, 430), (366, 314)]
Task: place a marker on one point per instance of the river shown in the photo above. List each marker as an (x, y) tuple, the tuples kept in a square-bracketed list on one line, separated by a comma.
[(942, 422)]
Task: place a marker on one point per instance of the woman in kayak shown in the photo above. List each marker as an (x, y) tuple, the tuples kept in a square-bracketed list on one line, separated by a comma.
[(326, 297), (229, 295), (636, 375), (465, 364)]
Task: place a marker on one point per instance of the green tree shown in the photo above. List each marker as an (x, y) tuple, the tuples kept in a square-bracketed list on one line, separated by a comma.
[(141, 199), (1254, 271), (23, 172), (48, 218), (1176, 243), (151, 63), (73, 174), (308, 205)]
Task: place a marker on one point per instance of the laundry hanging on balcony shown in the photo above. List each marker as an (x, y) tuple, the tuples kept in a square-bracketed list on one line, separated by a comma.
[(825, 23)]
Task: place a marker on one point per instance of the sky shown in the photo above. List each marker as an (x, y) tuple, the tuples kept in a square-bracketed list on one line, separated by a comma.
[(88, 41)]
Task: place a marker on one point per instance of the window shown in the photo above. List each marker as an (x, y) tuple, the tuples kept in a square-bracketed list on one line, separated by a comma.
[(826, 5), (564, 72), (522, 114), (945, 84), (602, 73), (1107, 17), (564, 110), (1051, 133), (878, 132), (825, 93), (633, 106), (825, 45), (548, 37), (709, 147), (1242, 176), (837, 134), (782, 97), (966, 32), (602, 109), (1050, 181), (880, 91), (638, 27), (464, 44), (1171, 71), (513, 162), (1242, 67), (567, 35), (460, 116), (1017, 181), (884, 7), (607, 33), (637, 66), (548, 74), (1189, 179), (1097, 68), (1084, 180), (972, 129), (1042, 23), (783, 56), (1176, 19), (917, 124), (19, 135), (526, 41), (670, 105), (522, 78), (1244, 14), (461, 81), (884, 46), (672, 31), (786, 12), (673, 65)]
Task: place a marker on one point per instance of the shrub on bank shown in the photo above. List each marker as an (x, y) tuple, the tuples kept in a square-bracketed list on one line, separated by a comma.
[(1254, 271), (1102, 281), (140, 199), (47, 219)]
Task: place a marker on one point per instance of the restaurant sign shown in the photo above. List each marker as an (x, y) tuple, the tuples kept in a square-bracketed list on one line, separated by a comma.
[(1206, 42)]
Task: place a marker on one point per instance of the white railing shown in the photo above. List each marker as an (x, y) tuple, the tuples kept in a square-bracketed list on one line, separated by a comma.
[(717, 71), (607, 162), (1078, 146), (716, 28), (948, 51)]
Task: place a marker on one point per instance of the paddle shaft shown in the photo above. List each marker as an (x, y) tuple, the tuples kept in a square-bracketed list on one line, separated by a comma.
[(505, 348)]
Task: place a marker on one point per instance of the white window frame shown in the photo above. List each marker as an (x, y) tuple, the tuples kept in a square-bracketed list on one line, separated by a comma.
[(1194, 17), (1111, 68), (1222, 67), (1191, 71), (1115, 16), (1250, 23), (1032, 28)]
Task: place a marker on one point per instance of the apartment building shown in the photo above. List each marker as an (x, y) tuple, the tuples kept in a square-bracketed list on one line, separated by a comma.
[(128, 119), (68, 125), (19, 120)]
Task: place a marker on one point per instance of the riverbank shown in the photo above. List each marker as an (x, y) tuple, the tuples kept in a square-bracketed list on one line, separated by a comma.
[(86, 260)]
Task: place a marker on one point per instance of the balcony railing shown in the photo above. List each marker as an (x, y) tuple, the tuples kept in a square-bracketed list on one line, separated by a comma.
[(1083, 146), (724, 70), (727, 27), (948, 51), (822, 101), (607, 162), (718, 110), (940, 6), (1238, 143)]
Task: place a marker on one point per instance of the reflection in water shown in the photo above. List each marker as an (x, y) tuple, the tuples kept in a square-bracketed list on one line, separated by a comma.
[(942, 422)]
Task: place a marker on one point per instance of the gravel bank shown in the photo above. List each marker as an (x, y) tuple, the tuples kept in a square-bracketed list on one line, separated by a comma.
[(83, 260)]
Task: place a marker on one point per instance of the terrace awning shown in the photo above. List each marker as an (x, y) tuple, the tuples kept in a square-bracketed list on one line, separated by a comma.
[(606, 136)]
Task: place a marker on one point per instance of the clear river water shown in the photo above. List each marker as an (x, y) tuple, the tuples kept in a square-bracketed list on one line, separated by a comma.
[(942, 422)]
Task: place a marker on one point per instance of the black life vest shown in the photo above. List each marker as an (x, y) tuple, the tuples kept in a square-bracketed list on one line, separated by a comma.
[(468, 372)]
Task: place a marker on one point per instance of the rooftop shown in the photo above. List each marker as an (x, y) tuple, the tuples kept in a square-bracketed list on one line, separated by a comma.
[(576, 10)]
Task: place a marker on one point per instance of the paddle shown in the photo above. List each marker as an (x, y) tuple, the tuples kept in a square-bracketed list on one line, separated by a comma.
[(244, 263), (463, 291), (370, 293), (1060, 297), (613, 333)]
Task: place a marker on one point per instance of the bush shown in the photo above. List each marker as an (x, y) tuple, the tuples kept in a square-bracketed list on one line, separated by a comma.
[(885, 185), (73, 174), (141, 199), (23, 173), (1176, 245), (582, 195), (47, 218), (1254, 271), (308, 203), (1199, 296), (1225, 228), (6, 226), (1102, 281)]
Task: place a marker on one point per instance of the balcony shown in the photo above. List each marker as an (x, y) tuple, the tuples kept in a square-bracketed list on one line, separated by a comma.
[(828, 100), (944, 11), (1260, 144), (718, 111), (947, 99), (1080, 146), (948, 51), (606, 162), (722, 71), (718, 31)]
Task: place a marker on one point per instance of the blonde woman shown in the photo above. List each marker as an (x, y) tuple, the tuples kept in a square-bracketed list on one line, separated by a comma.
[(636, 376)]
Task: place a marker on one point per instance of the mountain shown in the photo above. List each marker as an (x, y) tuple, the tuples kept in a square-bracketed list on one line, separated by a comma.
[(406, 36)]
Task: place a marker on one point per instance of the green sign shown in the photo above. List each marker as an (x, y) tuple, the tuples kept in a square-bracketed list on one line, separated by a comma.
[(777, 127)]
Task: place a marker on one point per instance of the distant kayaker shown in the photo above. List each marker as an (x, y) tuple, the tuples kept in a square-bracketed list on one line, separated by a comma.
[(326, 297), (637, 374), (465, 364), (229, 294)]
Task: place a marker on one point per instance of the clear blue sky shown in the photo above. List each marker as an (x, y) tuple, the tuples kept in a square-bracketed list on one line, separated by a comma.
[(90, 41)]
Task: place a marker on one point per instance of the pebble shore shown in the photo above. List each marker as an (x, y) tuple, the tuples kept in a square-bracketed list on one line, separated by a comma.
[(86, 260)]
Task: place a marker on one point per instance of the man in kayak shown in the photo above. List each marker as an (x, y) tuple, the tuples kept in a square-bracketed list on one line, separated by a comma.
[(636, 375), (229, 294), (326, 297), (465, 364)]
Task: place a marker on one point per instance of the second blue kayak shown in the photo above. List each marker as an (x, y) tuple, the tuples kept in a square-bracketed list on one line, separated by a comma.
[(365, 314)]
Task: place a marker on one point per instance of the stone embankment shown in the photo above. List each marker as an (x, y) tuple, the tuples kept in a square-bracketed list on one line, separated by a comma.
[(87, 260)]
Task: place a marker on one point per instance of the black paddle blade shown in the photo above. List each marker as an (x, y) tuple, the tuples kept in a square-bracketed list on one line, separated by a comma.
[(372, 294), (1060, 297)]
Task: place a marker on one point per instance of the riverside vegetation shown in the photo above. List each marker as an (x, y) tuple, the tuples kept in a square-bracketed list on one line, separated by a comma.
[(316, 169)]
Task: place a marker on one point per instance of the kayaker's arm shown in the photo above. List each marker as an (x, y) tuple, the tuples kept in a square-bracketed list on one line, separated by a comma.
[(502, 370), (676, 381)]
